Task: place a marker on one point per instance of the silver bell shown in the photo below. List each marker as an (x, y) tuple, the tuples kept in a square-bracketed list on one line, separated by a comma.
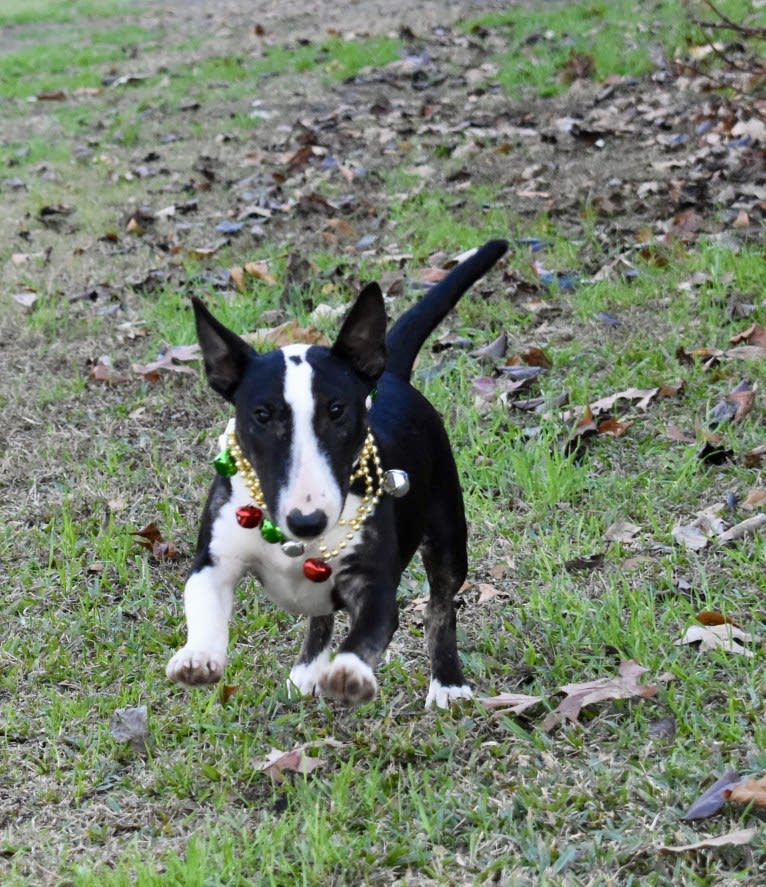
[(292, 548), (396, 482)]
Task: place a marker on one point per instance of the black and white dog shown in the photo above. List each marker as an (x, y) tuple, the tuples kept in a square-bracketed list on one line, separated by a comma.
[(333, 473)]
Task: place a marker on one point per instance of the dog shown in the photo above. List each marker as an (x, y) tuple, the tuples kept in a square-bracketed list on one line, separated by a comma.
[(334, 471)]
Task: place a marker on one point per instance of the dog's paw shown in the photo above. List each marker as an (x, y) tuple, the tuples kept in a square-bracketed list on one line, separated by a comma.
[(348, 679), (304, 676), (443, 695), (194, 667)]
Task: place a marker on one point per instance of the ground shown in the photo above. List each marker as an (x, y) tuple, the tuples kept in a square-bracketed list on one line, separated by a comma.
[(329, 145)]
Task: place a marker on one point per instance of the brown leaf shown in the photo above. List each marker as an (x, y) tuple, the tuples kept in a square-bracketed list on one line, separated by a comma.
[(585, 563), (711, 617), (487, 592), (756, 498), (749, 791), (227, 691), (103, 371), (612, 426), (150, 533), (676, 434), (754, 457), (741, 836), (515, 703), (286, 334), (277, 762), (624, 686), (621, 530), (173, 359), (585, 428), (536, 357), (755, 334)]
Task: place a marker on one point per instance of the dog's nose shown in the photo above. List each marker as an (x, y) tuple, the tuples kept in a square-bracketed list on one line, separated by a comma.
[(306, 526)]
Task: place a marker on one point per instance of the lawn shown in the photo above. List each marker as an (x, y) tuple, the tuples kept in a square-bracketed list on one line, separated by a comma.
[(606, 441)]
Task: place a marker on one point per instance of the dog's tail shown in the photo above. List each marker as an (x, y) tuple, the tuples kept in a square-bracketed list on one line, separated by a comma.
[(407, 335)]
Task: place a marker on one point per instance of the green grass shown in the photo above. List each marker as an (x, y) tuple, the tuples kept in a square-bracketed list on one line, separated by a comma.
[(617, 36), (463, 797)]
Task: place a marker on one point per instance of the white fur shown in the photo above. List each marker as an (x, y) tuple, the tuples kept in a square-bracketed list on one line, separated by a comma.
[(311, 484), (207, 604), (444, 696), (305, 675), (349, 667)]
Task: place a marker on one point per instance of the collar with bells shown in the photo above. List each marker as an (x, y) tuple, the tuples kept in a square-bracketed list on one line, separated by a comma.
[(394, 482)]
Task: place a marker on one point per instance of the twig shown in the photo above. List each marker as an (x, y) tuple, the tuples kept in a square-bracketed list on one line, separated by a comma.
[(735, 26)]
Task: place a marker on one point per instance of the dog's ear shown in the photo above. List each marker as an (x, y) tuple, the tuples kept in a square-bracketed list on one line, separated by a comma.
[(226, 356), (362, 338)]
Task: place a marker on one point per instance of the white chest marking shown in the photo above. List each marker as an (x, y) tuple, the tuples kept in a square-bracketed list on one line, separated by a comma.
[(281, 576)]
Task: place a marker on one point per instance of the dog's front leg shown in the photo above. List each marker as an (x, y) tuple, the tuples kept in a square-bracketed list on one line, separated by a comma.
[(371, 603), (207, 604)]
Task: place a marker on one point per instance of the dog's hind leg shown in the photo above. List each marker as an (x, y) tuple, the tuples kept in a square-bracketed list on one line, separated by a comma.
[(314, 657), (446, 562)]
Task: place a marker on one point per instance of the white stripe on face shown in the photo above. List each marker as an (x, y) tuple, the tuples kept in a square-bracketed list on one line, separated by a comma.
[(311, 484)]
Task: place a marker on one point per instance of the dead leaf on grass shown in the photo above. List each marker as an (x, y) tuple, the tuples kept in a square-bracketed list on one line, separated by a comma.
[(286, 334), (624, 686), (103, 371), (711, 801), (754, 457), (747, 527), (131, 725), (151, 537), (513, 703), (749, 791), (277, 762), (726, 637), (172, 359), (584, 563), (756, 498), (487, 592), (736, 838), (622, 530), (755, 334)]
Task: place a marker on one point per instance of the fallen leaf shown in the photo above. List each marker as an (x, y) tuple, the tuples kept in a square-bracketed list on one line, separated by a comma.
[(131, 725), (26, 297), (151, 538), (621, 530), (755, 334), (286, 334), (624, 686), (741, 836), (487, 592), (749, 791), (744, 528), (711, 801), (173, 359), (756, 498), (681, 436), (754, 457), (725, 637), (515, 703), (585, 563), (711, 617), (494, 351), (102, 370)]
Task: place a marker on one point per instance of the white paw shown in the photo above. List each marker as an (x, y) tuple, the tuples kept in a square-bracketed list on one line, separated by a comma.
[(193, 667), (444, 696), (304, 676), (348, 679)]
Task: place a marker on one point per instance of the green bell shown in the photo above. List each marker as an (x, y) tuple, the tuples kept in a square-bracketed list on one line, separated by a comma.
[(271, 532), (224, 464)]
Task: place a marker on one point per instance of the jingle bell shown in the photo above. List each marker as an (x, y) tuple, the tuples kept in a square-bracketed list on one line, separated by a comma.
[(396, 482), (224, 464), (271, 532), (317, 570), (249, 516), (292, 548)]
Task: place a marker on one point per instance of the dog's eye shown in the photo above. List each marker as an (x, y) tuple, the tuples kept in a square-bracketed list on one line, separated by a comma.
[(335, 410), (262, 414)]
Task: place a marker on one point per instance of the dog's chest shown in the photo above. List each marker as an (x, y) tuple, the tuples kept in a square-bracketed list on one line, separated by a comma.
[(281, 576)]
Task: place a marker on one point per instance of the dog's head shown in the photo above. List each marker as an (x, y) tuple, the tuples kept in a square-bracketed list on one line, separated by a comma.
[(301, 415)]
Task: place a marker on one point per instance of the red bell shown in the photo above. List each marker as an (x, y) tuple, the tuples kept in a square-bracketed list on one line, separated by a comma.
[(249, 516), (316, 570)]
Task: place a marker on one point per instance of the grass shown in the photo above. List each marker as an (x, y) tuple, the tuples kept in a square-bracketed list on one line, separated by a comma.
[(400, 796)]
